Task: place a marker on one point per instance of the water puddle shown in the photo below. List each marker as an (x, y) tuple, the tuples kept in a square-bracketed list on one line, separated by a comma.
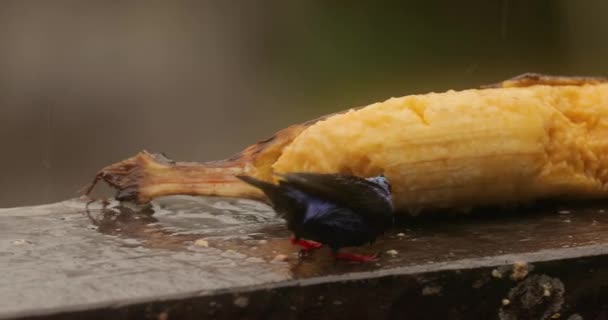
[(249, 230)]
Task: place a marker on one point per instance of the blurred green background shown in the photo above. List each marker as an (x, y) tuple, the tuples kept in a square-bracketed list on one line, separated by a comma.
[(87, 83)]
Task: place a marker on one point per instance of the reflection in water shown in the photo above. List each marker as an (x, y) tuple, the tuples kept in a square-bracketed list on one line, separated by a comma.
[(237, 227), (128, 223), (121, 220)]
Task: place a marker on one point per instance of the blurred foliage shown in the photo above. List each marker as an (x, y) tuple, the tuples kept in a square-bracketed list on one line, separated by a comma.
[(398, 47)]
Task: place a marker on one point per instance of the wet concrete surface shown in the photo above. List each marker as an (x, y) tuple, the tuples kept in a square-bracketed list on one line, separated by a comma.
[(60, 258)]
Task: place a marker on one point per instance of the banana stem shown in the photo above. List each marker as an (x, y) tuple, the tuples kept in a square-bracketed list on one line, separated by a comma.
[(147, 176)]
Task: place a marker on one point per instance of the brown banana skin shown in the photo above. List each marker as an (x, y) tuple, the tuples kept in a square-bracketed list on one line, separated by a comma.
[(430, 158)]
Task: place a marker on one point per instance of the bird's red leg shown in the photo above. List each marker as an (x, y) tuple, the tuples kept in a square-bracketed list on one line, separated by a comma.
[(355, 257), (306, 244)]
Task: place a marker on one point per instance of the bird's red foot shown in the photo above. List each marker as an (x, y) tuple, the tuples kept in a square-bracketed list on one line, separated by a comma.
[(355, 257), (306, 244)]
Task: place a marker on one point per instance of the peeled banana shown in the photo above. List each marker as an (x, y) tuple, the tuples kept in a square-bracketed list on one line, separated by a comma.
[(527, 138)]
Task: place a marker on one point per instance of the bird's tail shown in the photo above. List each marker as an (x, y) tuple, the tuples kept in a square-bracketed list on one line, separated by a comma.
[(268, 188), (275, 196)]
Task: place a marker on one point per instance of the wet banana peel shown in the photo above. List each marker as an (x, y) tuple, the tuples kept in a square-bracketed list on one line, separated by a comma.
[(531, 137)]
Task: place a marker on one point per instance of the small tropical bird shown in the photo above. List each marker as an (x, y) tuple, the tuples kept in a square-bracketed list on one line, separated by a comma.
[(331, 209)]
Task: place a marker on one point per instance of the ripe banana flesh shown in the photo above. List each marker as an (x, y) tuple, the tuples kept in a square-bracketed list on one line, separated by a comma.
[(531, 137)]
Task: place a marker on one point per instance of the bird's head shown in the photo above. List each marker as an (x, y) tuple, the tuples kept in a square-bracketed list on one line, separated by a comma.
[(382, 182)]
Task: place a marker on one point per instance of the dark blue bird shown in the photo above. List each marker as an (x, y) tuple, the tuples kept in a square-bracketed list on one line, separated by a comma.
[(331, 209)]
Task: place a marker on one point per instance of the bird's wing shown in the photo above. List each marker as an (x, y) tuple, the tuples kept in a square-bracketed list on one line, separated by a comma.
[(337, 228), (360, 195)]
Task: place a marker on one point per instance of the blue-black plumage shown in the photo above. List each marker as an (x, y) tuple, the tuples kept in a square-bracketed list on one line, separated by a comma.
[(331, 209)]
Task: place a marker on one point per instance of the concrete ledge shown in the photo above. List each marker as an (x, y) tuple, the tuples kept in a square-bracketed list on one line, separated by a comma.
[(64, 262)]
